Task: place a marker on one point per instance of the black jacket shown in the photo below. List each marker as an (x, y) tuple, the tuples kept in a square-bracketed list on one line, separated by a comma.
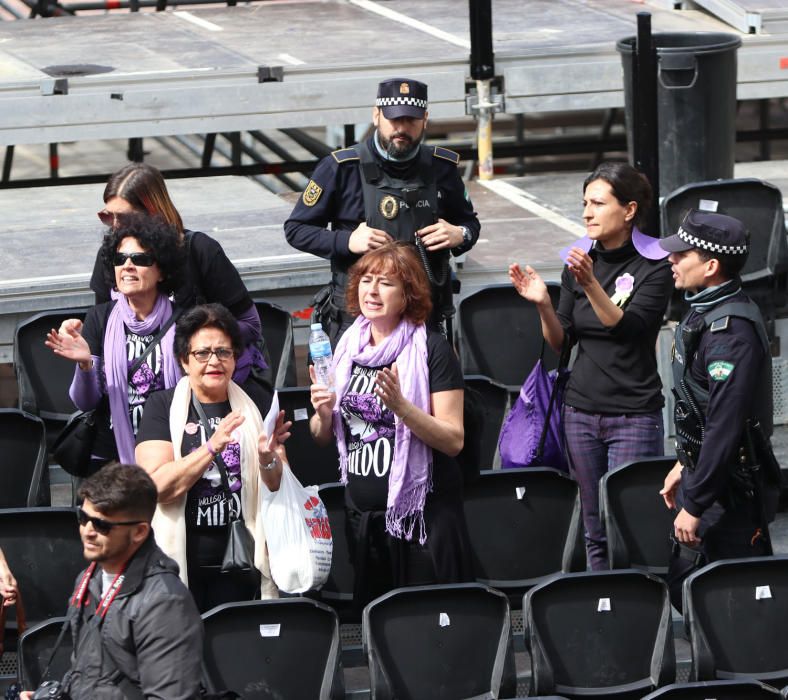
[(151, 635)]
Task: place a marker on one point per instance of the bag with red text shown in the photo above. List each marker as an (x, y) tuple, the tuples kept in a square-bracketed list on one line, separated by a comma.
[(298, 535)]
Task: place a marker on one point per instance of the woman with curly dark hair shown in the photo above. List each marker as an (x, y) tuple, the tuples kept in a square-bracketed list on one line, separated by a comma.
[(397, 417), (124, 349), (208, 274)]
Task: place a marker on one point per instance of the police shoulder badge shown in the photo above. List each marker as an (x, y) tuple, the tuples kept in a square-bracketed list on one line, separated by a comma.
[(312, 193), (719, 370), (389, 207)]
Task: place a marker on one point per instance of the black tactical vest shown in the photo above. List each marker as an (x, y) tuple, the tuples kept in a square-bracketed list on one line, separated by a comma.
[(692, 399)]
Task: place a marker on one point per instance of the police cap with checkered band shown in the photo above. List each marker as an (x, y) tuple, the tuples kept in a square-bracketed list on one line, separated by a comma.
[(705, 230), (402, 97)]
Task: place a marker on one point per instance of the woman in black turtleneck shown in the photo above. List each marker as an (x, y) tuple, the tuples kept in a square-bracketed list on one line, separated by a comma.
[(614, 290)]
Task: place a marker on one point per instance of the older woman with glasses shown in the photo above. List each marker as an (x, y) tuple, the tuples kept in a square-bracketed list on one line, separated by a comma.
[(204, 447), (124, 349), (208, 275)]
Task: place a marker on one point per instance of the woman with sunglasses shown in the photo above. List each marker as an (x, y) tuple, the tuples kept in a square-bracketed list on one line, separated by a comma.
[(208, 277), (124, 351), (207, 425)]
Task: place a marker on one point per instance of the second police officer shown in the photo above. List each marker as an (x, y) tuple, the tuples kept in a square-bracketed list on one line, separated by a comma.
[(725, 484), (390, 187)]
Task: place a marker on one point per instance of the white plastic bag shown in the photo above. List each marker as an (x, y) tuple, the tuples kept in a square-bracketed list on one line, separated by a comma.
[(298, 535)]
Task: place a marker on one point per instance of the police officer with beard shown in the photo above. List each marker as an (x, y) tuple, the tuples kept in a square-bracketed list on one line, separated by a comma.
[(725, 485), (390, 187)]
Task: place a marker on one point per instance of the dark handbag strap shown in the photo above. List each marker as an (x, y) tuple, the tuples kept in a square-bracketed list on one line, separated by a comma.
[(218, 457), (162, 331), (563, 362)]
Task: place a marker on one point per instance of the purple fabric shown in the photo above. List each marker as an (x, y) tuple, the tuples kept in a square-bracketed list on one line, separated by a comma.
[(597, 443), (647, 246), (410, 478), (116, 366), (251, 332), (85, 389), (522, 429)]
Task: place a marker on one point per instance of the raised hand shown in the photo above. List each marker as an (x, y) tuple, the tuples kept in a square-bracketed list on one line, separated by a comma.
[(529, 284)]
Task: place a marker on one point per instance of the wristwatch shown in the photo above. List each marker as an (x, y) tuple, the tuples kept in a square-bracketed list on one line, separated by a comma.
[(467, 239), (268, 467)]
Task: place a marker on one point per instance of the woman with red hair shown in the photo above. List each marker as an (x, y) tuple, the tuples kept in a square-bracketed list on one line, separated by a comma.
[(396, 414)]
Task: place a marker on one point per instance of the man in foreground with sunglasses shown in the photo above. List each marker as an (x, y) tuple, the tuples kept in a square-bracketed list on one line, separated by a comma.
[(136, 629)]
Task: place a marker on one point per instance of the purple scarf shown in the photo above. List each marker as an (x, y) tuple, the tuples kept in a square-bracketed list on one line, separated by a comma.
[(646, 245), (116, 365), (410, 478)]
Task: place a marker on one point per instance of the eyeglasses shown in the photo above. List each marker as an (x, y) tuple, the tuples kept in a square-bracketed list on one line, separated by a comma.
[(138, 259), (109, 218), (204, 354), (100, 525)]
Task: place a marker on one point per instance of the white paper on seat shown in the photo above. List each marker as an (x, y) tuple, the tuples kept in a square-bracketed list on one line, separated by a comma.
[(763, 592), (520, 492), (603, 605), (300, 414), (270, 630), (443, 620)]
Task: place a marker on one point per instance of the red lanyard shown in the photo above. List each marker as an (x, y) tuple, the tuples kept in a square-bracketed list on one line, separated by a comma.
[(81, 592)]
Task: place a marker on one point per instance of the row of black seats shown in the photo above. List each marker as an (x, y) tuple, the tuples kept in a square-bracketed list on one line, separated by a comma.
[(524, 524), (591, 634)]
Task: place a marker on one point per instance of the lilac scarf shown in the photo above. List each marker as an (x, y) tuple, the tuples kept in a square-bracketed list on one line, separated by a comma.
[(646, 245), (116, 365), (410, 478)]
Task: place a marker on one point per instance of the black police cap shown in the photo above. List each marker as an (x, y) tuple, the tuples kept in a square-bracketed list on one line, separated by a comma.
[(402, 97), (707, 230)]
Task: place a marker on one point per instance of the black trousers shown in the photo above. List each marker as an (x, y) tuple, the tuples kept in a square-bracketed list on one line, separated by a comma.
[(725, 534), (383, 562)]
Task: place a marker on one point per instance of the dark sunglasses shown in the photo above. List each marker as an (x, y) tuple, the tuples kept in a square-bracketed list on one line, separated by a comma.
[(100, 525), (109, 218), (138, 259)]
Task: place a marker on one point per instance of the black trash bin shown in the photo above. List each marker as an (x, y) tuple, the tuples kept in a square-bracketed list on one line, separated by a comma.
[(696, 104)]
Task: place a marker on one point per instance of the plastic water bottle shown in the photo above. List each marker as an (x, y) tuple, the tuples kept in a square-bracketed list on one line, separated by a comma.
[(322, 357)]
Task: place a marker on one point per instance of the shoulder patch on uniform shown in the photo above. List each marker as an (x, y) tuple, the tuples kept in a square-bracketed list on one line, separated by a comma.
[(720, 370), (311, 193), (345, 154), (720, 324), (446, 154)]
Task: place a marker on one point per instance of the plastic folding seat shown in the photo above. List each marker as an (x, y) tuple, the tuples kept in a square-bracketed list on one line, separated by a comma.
[(35, 648), (337, 591), (524, 524), (501, 334), (637, 522), (270, 649), (44, 551), (442, 642), (310, 462), (277, 325), (494, 400), (599, 634), (718, 690), (735, 614), (43, 377), (759, 206), (24, 475)]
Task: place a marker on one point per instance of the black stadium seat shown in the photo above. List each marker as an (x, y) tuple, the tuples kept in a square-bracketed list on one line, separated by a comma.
[(440, 642), (599, 634), (524, 524), (637, 522), (44, 551), (494, 400), (268, 649), (311, 463), (35, 649), (277, 325), (719, 690), (735, 613), (501, 334), (24, 476)]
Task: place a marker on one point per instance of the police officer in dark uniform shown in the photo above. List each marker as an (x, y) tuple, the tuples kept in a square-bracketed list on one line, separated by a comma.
[(725, 484), (391, 187)]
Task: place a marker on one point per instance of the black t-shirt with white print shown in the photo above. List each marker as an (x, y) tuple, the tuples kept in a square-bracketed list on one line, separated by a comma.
[(149, 377), (369, 428), (206, 501)]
